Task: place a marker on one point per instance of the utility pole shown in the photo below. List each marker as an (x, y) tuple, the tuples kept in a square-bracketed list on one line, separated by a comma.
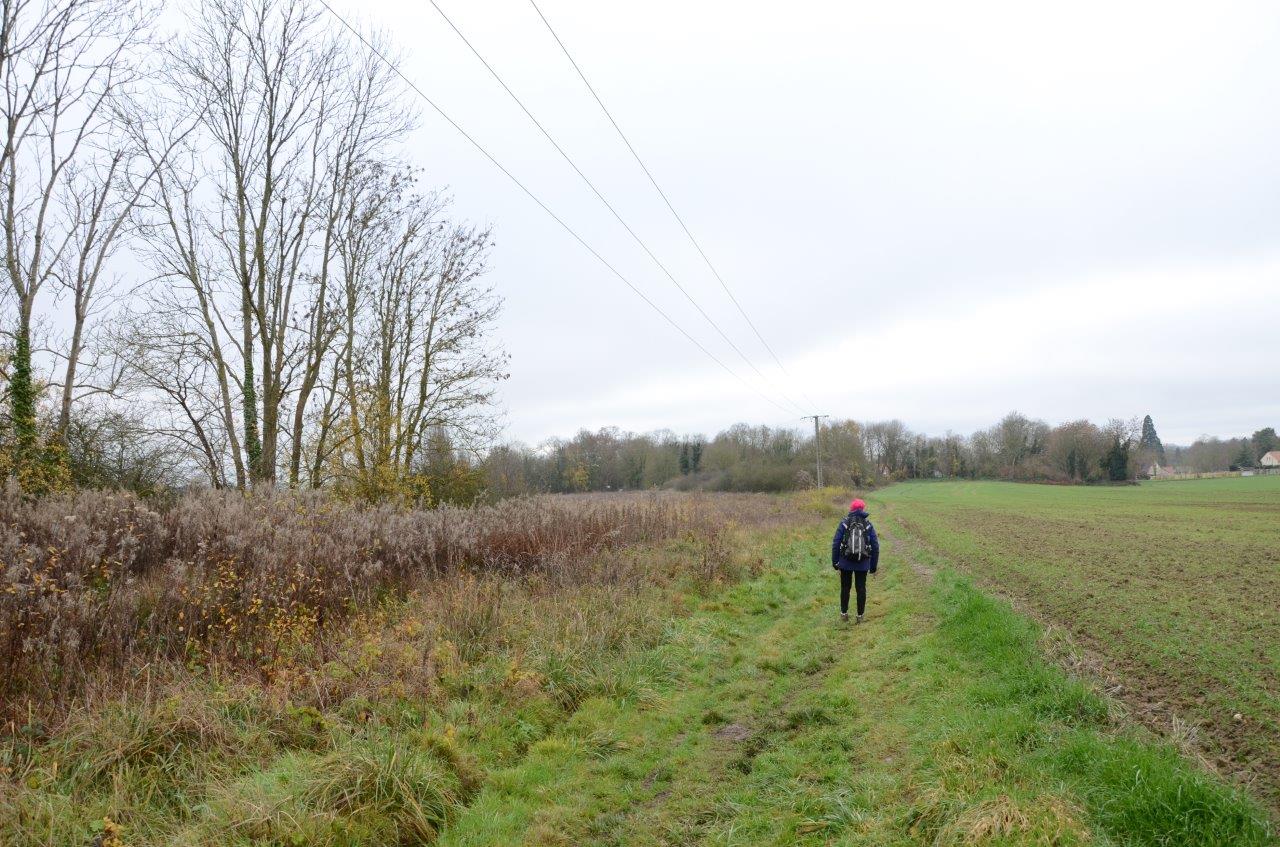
[(817, 443)]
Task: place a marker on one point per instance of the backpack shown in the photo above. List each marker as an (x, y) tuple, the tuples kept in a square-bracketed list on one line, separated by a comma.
[(855, 546)]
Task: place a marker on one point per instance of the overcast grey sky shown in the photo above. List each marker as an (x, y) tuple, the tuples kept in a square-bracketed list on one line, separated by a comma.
[(933, 211)]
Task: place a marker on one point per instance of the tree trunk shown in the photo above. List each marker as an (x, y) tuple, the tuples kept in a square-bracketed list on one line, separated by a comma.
[(73, 363), (22, 390), (252, 443)]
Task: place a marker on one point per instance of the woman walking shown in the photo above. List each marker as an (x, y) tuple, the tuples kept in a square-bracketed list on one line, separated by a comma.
[(855, 552)]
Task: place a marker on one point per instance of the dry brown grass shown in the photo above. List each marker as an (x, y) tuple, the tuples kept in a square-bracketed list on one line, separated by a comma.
[(99, 590)]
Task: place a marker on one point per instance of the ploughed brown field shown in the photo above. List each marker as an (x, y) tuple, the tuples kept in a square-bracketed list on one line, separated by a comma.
[(1171, 588)]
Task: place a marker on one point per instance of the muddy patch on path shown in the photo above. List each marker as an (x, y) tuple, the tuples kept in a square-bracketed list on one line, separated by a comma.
[(733, 732)]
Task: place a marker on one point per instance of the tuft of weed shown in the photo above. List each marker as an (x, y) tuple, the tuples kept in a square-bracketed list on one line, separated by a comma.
[(468, 772), (148, 746), (951, 820), (365, 791), (713, 717)]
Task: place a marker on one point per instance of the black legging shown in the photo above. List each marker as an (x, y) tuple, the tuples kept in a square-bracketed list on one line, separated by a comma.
[(846, 579)]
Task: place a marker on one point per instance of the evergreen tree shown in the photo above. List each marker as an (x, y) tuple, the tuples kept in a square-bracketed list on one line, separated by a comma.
[(1150, 440), (695, 457), (1115, 463), (1264, 441), (684, 457)]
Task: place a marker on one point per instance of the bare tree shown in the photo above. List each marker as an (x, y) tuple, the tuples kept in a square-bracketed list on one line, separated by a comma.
[(100, 200), (413, 358), (310, 310), (176, 369), (885, 443), (367, 120), (246, 219), (1076, 449), (62, 64), (266, 72), (189, 318)]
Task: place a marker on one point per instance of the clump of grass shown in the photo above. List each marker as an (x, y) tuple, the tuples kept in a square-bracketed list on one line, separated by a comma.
[(468, 772), (366, 791), (137, 764), (1142, 788), (1043, 820), (714, 717), (155, 743)]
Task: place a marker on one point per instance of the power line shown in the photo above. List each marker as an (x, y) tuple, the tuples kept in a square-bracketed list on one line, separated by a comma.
[(480, 147), (663, 195), (600, 196)]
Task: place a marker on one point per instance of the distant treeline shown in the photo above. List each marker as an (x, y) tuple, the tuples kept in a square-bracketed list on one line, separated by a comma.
[(761, 458), (1210, 454), (741, 458)]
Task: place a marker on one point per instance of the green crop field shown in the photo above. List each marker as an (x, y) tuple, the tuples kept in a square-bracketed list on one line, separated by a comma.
[(1174, 587)]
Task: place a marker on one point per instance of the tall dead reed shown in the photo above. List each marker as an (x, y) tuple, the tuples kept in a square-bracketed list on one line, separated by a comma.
[(95, 583)]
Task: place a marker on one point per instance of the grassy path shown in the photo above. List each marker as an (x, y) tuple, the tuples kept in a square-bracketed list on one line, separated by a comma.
[(935, 722)]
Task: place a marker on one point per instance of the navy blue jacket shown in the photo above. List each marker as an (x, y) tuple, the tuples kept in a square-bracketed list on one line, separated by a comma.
[(839, 562)]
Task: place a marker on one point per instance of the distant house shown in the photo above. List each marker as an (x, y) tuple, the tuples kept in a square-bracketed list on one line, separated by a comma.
[(1271, 460)]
